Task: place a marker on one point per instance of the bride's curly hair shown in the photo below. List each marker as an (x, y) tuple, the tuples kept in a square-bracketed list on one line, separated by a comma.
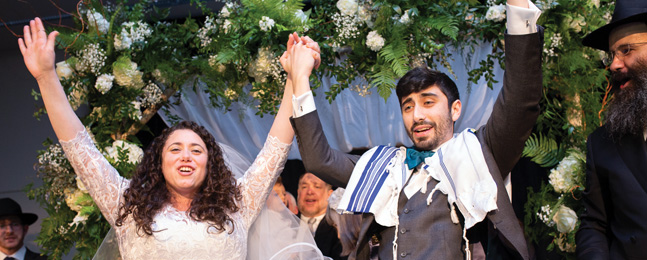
[(147, 193)]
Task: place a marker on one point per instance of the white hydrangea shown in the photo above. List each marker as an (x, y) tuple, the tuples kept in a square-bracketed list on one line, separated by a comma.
[(564, 176), (266, 23), (92, 59), (347, 7), (96, 20), (133, 151), (374, 41), (104, 83), (152, 95), (203, 33), (496, 13), (131, 33), (64, 70)]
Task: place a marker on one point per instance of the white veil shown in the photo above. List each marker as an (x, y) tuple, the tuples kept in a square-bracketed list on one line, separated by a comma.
[(276, 234)]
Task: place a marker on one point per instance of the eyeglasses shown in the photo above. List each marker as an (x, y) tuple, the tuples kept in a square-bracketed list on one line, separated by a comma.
[(13, 225), (621, 52)]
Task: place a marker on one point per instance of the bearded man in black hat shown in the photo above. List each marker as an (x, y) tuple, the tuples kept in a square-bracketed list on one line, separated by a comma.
[(13, 228), (614, 225)]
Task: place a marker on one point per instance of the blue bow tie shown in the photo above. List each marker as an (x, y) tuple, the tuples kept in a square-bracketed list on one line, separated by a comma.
[(415, 157)]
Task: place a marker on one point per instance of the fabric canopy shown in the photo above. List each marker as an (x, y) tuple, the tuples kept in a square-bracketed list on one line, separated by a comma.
[(351, 120)]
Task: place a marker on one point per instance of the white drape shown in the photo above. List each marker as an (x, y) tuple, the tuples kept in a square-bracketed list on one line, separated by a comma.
[(350, 121)]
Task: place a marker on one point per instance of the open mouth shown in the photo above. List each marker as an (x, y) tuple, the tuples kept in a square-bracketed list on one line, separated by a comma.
[(186, 170), (421, 130)]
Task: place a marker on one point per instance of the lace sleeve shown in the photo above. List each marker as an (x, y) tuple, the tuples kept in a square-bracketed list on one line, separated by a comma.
[(259, 178), (103, 182)]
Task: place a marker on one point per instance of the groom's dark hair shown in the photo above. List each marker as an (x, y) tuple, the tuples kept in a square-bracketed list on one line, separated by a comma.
[(421, 78)]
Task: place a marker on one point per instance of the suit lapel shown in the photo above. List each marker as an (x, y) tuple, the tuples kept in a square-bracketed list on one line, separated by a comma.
[(633, 151)]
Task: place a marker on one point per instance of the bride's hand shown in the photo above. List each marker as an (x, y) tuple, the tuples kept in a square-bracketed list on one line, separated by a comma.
[(37, 49)]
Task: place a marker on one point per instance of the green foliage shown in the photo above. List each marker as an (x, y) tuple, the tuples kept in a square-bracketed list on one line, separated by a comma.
[(234, 54), (543, 151)]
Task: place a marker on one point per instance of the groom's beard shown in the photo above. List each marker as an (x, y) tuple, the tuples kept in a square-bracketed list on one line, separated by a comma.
[(627, 112)]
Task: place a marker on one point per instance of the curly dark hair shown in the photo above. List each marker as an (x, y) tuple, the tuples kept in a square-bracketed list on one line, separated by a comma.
[(147, 193)]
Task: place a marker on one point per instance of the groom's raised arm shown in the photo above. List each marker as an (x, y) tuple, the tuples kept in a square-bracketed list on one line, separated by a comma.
[(332, 166)]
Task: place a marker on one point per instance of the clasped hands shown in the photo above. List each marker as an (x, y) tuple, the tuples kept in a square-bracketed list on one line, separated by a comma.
[(301, 57)]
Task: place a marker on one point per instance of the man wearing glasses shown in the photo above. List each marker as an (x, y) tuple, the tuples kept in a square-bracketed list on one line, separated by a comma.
[(614, 224), (13, 228)]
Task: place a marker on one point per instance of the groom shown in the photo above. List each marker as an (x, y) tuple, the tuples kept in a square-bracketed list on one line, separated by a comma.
[(436, 207)]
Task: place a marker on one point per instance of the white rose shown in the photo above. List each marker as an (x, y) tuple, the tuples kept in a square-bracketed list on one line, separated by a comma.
[(565, 219), (347, 7), (374, 41), (96, 19), (64, 70)]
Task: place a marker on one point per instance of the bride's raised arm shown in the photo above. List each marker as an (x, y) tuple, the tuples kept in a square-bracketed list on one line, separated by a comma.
[(37, 49)]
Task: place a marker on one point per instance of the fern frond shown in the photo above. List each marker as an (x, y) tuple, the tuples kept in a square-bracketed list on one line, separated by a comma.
[(543, 150)]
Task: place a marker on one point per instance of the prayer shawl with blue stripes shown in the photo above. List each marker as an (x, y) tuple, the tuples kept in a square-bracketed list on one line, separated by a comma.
[(458, 166)]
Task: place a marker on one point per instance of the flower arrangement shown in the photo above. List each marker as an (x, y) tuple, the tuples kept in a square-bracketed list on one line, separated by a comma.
[(575, 84), (556, 206), (124, 60)]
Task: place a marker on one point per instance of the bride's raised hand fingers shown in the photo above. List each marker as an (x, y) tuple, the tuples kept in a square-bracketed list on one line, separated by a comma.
[(26, 34)]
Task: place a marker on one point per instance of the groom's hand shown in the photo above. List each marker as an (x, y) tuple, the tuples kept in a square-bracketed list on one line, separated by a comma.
[(519, 3)]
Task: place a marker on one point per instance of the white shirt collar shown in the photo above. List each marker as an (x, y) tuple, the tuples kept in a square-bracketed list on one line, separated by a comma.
[(19, 255), (318, 219)]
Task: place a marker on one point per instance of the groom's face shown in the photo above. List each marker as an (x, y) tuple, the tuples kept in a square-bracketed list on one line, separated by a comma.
[(428, 118)]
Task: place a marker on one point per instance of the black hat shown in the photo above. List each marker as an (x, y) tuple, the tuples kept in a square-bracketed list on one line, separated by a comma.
[(9, 207), (626, 11)]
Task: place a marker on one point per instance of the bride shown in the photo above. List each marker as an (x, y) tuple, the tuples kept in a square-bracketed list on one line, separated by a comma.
[(182, 202)]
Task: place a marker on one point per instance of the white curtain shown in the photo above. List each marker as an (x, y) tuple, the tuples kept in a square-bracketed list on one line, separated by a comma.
[(350, 121)]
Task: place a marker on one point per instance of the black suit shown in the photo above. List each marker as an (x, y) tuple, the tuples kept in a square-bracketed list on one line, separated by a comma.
[(327, 240), (427, 232), (29, 255), (614, 224)]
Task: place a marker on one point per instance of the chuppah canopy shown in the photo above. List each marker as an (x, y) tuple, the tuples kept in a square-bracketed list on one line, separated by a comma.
[(352, 120)]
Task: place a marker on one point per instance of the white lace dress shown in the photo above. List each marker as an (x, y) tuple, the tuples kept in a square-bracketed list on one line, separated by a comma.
[(176, 236)]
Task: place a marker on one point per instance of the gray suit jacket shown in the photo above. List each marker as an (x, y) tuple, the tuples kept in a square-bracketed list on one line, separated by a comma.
[(426, 232)]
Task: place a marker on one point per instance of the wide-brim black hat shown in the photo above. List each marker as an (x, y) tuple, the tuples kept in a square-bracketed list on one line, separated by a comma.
[(626, 11), (9, 207)]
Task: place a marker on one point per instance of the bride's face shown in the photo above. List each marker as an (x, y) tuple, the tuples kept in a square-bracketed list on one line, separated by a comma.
[(184, 162)]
